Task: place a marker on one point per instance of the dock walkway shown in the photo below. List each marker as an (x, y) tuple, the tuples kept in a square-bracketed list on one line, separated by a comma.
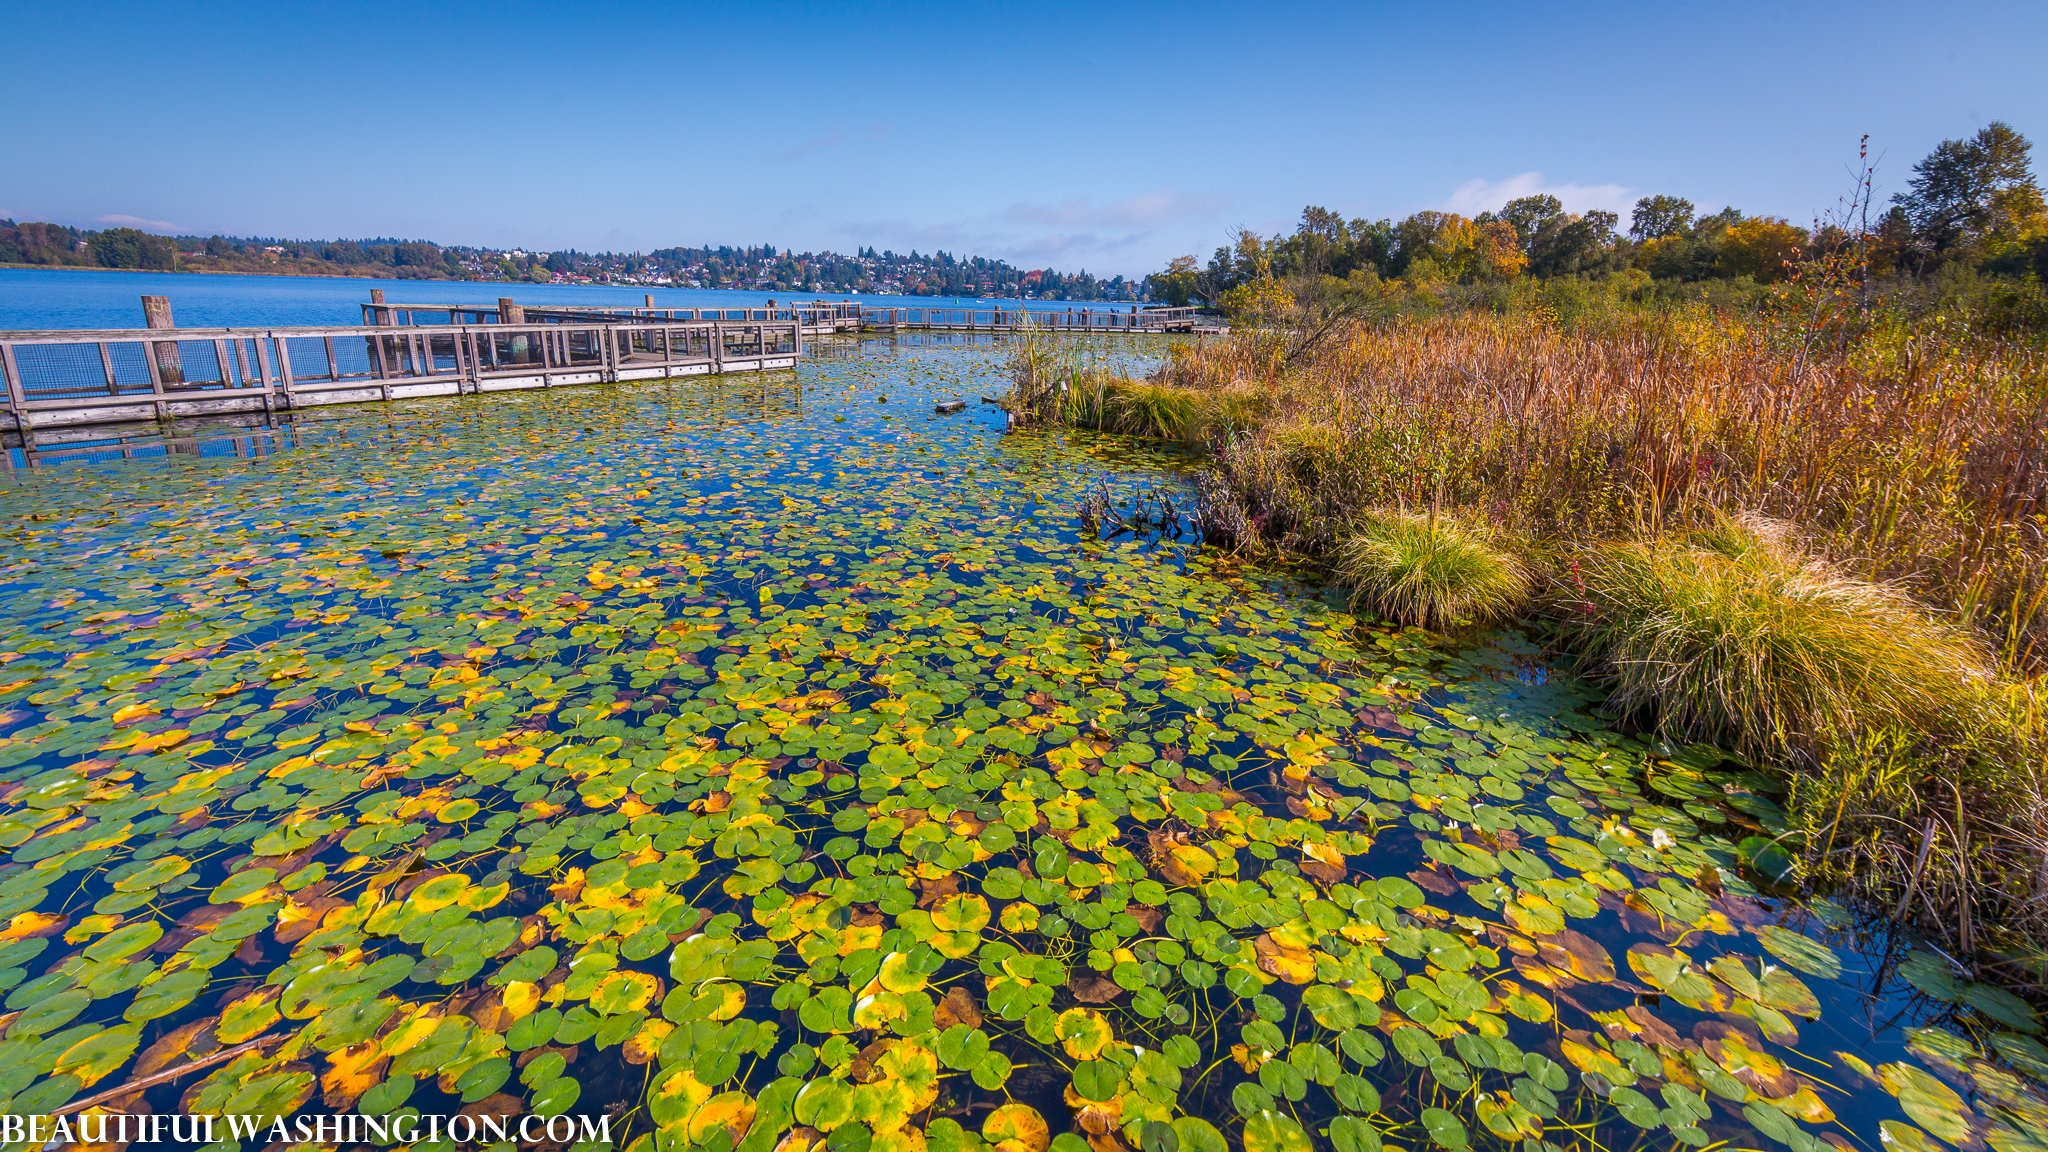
[(818, 317), (73, 379)]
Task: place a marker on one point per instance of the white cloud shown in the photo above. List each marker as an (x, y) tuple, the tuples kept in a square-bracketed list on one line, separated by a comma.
[(1476, 196), (119, 221)]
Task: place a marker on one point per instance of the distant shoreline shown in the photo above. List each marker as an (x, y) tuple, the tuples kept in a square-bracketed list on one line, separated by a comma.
[(508, 283), (247, 272)]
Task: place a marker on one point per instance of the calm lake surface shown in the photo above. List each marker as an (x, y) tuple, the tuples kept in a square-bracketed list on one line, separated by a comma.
[(52, 298), (767, 760)]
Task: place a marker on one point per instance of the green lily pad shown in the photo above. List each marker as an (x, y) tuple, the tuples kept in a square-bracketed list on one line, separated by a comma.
[(1271, 1132), (1445, 1130), (1802, 952)]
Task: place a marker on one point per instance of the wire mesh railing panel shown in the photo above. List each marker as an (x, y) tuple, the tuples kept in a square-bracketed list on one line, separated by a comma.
[(190, 364), (130, 360), (442, 352), (389, 355), (307, 357), (513, 349), (56, 371), (689, 343), (244, 362), (351, 358)]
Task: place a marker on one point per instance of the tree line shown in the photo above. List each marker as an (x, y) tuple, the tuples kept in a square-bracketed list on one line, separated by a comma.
[(1972, 208), (724, 266)]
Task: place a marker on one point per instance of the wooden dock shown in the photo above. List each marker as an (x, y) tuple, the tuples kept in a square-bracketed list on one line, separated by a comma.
[(63, 385), (818, 317), (66, 378)]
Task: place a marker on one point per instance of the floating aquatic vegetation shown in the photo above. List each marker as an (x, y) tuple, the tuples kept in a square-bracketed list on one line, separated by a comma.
[(759, 773)]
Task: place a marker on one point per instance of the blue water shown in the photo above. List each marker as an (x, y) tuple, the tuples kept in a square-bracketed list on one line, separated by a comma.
[(39, 298)]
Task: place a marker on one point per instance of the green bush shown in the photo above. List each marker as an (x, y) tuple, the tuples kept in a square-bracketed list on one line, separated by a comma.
[(1736, 634), (1144, 408), (1430, 570)]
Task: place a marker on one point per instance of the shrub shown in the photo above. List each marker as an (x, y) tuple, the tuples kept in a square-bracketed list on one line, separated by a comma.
[(1144, 408), (1430, 570), (1734, 633)]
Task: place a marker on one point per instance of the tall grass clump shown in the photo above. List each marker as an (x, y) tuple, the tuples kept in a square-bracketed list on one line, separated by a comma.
[(1429, 569), (1147, 408), (1735, 635)]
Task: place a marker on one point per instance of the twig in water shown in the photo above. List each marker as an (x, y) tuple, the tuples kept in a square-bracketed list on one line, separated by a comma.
[(155, 1078)]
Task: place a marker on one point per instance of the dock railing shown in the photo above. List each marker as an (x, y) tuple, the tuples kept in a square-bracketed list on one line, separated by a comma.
[(86, 376), (817, 317)]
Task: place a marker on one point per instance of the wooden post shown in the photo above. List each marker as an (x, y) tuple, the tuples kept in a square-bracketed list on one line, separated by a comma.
[(518, 349), (242, 374), (156, 380), (284, 370), (263, 370), (379, 316), (156, 313), (16, 398)]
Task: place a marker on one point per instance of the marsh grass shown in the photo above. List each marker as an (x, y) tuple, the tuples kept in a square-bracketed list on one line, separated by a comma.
[(1829, 553), (1734, 634), (1431, 569), (1909, 459)]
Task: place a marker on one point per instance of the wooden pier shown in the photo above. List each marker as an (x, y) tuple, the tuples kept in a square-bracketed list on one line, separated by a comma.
[(66, 378), (62, 385), (819, 317)]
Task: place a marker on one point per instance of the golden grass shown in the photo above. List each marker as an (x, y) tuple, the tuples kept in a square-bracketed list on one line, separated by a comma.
[(1908, 459), (1735, 635), (1431, 569), (1831, 555)]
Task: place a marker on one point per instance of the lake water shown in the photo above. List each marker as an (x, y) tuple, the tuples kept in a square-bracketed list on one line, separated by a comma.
[(33, 298), (769, 760)]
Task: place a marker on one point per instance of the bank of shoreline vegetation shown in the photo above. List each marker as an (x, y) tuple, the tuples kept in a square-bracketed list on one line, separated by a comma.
[(1794, 503), (755, 267)]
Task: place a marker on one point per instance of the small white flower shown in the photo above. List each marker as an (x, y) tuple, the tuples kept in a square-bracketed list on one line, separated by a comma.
[(1661, 840)]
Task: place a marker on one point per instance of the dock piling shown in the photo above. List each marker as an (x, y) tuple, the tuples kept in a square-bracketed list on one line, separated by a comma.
[(156, 313)]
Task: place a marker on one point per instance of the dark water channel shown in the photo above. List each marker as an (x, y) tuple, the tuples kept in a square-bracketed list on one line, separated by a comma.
[(770, 761)]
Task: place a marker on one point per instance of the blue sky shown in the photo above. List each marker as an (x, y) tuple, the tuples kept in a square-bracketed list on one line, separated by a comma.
[(1105, 136)]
